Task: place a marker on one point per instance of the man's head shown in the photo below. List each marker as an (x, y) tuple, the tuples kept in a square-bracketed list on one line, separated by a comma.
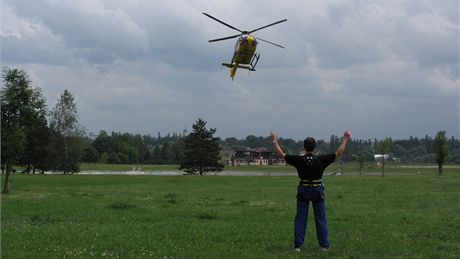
[(309, 144)]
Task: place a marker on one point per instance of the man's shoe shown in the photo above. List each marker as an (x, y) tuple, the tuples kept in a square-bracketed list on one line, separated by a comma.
[(297, 249), (324, 248)]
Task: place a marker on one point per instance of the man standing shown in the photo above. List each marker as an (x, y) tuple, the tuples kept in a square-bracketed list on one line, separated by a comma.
[(310, 168)]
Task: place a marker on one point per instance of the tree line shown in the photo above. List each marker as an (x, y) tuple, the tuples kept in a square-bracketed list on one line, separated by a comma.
[(37, 139), (126, 148)]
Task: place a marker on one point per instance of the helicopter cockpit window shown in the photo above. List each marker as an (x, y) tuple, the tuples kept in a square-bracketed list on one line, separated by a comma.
[(244, 39)]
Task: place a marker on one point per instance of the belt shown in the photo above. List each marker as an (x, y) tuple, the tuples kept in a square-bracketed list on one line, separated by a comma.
[(311, 183)]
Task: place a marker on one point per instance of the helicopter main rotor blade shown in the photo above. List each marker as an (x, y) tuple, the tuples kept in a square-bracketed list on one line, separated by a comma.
[(270, 42), (217, 20), (225, 38), (267, 26)]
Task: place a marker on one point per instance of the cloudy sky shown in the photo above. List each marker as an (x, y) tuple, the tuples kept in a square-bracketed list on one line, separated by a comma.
[(381, 68)]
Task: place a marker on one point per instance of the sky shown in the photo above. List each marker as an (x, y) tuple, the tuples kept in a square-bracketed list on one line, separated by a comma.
[(383, 68)]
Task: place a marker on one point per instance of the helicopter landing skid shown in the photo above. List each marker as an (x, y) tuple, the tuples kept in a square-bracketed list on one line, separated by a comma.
[(239, 66), (251, 66), (254, 60)]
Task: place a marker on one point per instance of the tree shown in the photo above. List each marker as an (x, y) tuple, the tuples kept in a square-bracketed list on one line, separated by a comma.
[(201, 151), (334, 143), (384, 147), (441, 149), (363, 156), (176, 151), (37, 139), (165, 153), (66, 142), (90, 155), (21, 105), (399, 151)]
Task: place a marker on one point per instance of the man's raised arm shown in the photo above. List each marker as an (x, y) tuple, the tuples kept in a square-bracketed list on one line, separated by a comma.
[(277, 147), (341, 149)]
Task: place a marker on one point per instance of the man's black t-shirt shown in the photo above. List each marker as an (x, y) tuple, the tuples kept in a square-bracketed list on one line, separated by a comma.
[(310, 169)]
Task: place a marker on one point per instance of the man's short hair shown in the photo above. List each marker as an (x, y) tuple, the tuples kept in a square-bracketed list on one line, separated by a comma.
[(309, 144)]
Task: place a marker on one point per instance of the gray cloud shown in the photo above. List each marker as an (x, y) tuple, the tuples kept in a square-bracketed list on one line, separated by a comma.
[(382, 68)]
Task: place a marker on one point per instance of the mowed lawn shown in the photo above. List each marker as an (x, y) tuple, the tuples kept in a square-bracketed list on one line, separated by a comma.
[(116, 216)]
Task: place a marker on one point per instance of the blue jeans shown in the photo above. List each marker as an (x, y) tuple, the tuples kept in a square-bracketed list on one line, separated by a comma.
[(304, 194)]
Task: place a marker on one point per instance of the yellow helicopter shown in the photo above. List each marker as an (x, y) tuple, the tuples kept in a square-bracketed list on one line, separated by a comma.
[(245, 55)]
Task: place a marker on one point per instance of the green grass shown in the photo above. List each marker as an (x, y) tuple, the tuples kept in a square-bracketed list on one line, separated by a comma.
[(116, 216), (353, 168)]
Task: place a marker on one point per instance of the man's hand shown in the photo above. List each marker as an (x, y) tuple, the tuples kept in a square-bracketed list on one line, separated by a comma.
[(347, 134), (273, 135), (277, 147)]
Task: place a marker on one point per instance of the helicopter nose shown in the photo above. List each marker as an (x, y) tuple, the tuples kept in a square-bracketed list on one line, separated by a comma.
[(252, 41)]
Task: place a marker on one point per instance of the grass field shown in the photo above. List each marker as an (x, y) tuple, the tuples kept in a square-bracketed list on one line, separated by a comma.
[(116, 216)]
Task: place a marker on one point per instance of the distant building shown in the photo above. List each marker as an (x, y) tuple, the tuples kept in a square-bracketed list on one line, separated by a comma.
[(228, 157), (378, 157), (250, 156)]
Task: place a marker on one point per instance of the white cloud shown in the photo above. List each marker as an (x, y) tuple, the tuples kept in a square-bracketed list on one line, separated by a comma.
[(443, 80), (29, 40), (331, 87)]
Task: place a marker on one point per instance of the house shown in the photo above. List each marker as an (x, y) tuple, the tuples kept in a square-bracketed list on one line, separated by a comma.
[(378, 157), (386, 157), (250, 156), (227, 157)]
